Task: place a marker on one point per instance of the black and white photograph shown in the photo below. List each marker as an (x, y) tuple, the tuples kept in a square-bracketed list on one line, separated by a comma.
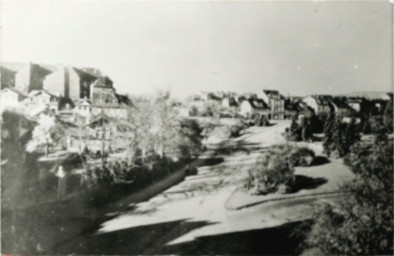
[(196, 127)]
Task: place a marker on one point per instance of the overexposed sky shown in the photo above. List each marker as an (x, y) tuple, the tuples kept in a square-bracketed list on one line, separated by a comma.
[(296, 47)]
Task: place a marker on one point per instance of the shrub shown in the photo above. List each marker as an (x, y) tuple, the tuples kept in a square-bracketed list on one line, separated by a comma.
[(297, 156), (302, 156), (236, 129), (272, 172)]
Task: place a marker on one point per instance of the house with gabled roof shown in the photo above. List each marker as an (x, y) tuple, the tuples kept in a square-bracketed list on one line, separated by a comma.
[(321, 104), (42, 99), (24, 76), (275, 101), (252, 106), (10, 96)]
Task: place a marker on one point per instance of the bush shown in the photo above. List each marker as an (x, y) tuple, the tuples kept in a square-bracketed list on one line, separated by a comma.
[(297, 156), (302, 157), (275, 171), (272, 172)]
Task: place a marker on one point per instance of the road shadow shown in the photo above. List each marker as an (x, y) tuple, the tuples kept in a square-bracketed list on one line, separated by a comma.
[(130, 241), (212, 161), (281, 240), (305, 182), (320, 160)]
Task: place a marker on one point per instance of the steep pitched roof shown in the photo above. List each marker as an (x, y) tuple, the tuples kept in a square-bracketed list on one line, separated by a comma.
[(87, 72), (258, 104), (103, 82), (37, 92), (273, 94), (323, 100), (63, 101), (232, 102), (123, 99)]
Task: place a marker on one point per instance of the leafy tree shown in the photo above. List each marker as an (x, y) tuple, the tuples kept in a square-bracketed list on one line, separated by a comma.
[(306, 130), (294, 131), (339, 136), (329, 134), (47, 133), (362, 221), (160, 131)]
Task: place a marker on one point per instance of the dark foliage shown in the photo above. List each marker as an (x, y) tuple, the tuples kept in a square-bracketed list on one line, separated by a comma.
[(339, 136), (362, 222)]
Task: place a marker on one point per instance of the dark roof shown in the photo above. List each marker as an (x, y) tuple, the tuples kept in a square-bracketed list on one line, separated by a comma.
[(298, 106), (100, 121), (258, 104), (323, 100), (340, 102), (232, 102), (214, 96), (63, 101), (103, 82), (41, 70), (124, 99), (87, 73), (273, 94), (304, 107)]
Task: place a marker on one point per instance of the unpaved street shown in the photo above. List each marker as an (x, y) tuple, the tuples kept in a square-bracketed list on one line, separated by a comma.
[(191, 217)]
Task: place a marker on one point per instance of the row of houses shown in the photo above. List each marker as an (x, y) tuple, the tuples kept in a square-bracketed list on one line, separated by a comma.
[(74, 94), (273, 105)]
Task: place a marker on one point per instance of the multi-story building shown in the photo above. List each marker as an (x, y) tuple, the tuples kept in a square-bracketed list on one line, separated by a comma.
[(275, 101), (39, 100), (249, 108), (106, 100), (24, 76)]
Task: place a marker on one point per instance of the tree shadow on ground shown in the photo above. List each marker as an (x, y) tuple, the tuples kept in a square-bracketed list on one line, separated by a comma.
[(305, 182), (135, 240), (280, 240), (212, 161), (226, 148), (320, 160)]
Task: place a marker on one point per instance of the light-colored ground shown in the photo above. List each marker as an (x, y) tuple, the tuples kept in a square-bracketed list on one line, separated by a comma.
[(202, 197)]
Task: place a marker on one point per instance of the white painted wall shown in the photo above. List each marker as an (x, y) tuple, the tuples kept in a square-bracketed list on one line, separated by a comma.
[(8, 98), (311, 102), (245, 108), (55, 81)]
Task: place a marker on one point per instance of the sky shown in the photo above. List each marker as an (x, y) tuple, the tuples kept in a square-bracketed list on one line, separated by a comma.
[(298, 48)]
